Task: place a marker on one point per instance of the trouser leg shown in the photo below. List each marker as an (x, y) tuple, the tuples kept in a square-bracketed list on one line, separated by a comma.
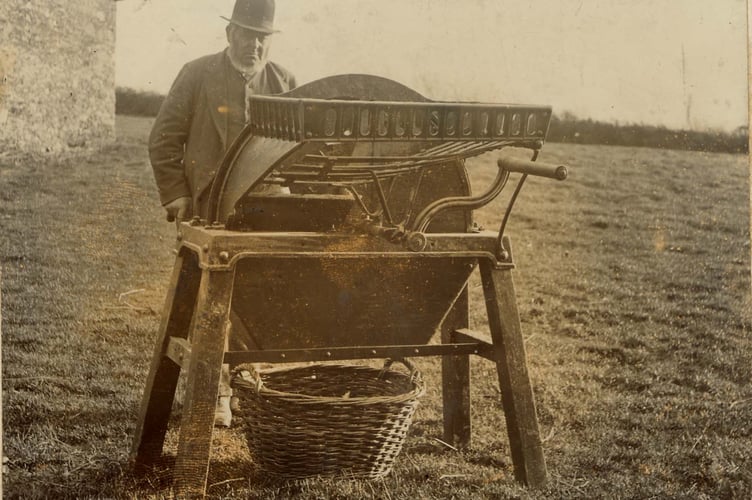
[(224, 382), (224, 377)]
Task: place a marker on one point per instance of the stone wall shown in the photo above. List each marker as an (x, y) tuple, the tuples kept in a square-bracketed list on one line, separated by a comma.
[(57, 74)]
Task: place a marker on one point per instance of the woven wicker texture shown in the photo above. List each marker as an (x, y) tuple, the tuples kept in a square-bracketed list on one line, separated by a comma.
[(327, 419)]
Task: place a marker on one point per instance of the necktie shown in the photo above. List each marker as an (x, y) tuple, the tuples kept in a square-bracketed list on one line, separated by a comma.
[(249, 91), (248, 94)]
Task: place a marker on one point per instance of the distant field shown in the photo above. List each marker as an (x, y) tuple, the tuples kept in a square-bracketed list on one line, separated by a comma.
[(633, 282)]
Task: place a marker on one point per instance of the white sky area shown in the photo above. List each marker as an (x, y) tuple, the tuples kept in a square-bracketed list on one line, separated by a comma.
[(678, 63)]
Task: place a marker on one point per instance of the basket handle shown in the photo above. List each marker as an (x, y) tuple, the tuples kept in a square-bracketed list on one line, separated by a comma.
[(388, 362), (248, 375)]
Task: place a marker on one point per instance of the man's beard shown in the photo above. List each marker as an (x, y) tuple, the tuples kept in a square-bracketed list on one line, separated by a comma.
[(254, 68), (248, 69)]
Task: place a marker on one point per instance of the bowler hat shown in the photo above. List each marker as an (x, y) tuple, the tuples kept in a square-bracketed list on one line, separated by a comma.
[(256, 15)]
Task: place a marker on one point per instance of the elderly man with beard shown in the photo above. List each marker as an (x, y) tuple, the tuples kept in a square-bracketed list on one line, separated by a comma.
[(205, 109), (204, 112)]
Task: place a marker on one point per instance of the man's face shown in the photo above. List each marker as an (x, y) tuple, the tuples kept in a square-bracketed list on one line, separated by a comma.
[(248, 47)]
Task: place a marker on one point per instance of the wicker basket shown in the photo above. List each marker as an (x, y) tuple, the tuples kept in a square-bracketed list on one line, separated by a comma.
[(327, 419)]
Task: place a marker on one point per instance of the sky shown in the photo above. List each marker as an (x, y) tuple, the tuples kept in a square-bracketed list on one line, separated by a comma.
[(676, 63)]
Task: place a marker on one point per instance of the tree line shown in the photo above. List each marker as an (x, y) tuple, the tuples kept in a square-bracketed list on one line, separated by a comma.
[(566, 128), (569, 128)]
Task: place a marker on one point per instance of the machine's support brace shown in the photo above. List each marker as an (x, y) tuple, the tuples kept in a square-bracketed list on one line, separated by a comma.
[(163, 374), (209, 333), (209, 294), (511, 364), (455, 378)]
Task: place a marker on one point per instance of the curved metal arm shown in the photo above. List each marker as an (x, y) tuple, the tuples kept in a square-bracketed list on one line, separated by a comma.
[(429, 212)]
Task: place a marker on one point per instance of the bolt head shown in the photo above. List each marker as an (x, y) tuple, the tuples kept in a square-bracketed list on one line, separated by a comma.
[(416, 242)]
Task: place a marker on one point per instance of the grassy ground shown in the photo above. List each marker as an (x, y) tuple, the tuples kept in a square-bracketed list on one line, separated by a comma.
[(633, 282)]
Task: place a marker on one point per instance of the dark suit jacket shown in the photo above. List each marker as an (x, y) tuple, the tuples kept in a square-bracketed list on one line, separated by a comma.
[(190, 134)]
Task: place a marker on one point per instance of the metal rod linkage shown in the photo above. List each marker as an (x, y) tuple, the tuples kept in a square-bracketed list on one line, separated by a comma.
[(468, 202)]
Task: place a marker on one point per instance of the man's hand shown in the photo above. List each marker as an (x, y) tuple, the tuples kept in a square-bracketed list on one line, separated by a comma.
[(179, 209)]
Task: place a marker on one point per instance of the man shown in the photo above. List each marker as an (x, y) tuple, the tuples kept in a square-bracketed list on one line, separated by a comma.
[(205, 109), (204, 112)]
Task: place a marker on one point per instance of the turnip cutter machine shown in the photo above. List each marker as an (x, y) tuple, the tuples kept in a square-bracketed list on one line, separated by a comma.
[(339, 227)]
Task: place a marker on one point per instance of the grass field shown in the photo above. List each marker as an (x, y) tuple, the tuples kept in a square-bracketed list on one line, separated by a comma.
[(633, 282)]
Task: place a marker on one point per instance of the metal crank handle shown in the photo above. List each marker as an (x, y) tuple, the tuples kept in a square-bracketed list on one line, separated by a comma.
[(558, 172)]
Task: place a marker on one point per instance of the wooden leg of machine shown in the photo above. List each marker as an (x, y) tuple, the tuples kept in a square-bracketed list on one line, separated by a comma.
[(161, 382), (210, 330), (511, 364), (455, 378)]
